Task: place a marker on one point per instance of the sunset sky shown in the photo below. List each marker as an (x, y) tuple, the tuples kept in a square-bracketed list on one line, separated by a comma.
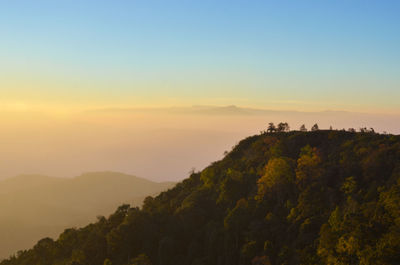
[(296, 55), (75, 76)]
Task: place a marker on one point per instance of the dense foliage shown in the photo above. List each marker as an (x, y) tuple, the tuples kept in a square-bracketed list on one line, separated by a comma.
[(320, 197)]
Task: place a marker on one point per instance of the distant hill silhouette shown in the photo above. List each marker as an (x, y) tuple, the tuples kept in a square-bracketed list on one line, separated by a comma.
[(35, 206)]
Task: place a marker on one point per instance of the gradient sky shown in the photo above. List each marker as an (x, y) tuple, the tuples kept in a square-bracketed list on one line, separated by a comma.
[(299, 55)]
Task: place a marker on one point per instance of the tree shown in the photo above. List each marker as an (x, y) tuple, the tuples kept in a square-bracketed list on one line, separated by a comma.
[(238, 217), (278, 173), (45, 248), (248, 251), (167, 250), (283, 127), (315, 127), (107, 262), (366, 130), (271, 127), (142, 259), (303, 128), (308, 164), (263, 260)]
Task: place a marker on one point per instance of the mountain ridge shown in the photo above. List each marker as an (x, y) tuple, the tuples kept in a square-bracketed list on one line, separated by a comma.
[(320, 197)]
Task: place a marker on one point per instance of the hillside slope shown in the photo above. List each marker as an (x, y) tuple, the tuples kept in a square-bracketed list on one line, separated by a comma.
[(323, 197), (34, 206)]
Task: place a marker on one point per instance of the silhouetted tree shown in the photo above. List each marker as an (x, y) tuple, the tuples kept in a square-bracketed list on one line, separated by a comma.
[(271, 127), (283, 127), (315, 127), (366, 130), (303, 128)]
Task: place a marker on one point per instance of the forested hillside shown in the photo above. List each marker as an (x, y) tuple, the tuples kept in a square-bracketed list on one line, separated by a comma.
[(321, 197)]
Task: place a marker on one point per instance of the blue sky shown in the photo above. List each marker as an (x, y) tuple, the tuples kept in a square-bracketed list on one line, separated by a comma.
[(306, 55)]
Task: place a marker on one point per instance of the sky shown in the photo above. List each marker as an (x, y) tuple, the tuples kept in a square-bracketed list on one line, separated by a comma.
[(90, 85), (161, 144), (296, 55)]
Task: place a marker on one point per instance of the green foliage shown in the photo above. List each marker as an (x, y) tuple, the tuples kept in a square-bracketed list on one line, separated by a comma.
[(278, 174), (349, 185), (319, 197), (107, 262), (142, 259)]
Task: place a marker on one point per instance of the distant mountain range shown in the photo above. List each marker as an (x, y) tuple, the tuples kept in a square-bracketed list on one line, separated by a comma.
[(336, 118), (35, 206), (219, 110), (208, 110)]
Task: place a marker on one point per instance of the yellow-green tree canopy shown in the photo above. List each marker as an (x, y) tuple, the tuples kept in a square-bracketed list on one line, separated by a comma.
[(278, 172)]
